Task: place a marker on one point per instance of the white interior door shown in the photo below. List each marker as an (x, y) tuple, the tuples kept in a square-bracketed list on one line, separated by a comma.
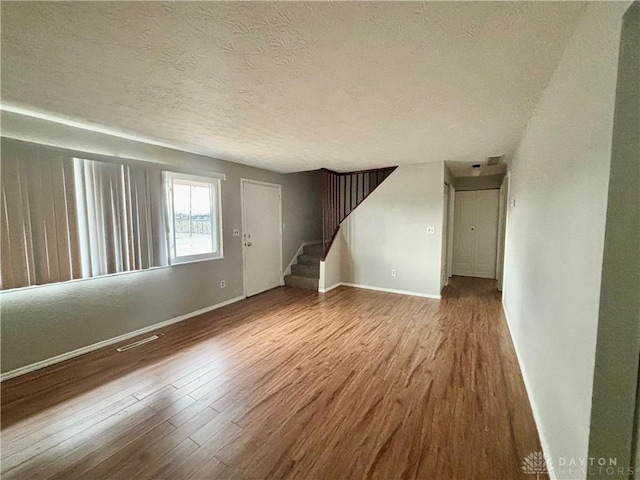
[(475, 233), (262, 236)]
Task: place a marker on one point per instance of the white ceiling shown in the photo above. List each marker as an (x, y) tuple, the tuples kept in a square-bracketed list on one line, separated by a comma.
[(291, 86)]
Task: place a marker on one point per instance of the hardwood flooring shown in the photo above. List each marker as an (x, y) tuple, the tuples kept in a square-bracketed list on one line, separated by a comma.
[(288, 384)]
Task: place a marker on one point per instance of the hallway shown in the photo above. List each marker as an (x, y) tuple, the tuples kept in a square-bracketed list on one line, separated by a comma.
[(289, 383)]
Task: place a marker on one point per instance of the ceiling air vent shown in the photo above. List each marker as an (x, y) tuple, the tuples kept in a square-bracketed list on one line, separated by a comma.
[(493, 160)]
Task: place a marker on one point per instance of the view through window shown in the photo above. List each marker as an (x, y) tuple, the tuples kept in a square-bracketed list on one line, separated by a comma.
[(194, 217)]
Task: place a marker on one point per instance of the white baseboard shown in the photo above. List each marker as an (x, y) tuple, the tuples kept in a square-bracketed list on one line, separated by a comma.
[(105, 343), (534, 406), (391, 290), (328, 289)]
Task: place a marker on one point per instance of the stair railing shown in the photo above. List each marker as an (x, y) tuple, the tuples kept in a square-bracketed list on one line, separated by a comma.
[(341, 194)]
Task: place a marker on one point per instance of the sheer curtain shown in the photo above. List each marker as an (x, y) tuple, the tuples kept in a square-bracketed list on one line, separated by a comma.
[(39, 238), (120, 218)]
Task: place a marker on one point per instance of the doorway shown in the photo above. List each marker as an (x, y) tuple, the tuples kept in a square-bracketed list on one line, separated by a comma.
[(475, 233), (262, 236)]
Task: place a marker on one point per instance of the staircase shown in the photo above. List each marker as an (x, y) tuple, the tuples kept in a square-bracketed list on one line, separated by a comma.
[(342, 193), (306, 274)]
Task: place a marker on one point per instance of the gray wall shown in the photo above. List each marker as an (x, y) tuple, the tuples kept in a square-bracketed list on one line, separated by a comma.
[(448, 176), (555, 234), (45, 321), (389, 231), (618, 347), (487, 182)]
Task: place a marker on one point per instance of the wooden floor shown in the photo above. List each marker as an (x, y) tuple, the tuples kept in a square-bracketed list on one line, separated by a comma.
[(288, 384)]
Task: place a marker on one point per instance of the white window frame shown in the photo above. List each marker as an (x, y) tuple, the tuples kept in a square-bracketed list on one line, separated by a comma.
[(216, 208)]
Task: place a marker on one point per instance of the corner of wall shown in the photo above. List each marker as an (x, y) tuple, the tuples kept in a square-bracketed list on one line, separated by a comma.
[(555, 238)]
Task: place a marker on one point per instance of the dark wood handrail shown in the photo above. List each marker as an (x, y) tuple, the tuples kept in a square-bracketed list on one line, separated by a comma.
[(342, 193)]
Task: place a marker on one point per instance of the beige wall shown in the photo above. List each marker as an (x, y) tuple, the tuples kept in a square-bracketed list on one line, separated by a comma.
[(45, 321), (389, 231), (555, 233)]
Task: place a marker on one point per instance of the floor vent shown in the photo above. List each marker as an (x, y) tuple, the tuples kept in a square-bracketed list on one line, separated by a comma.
[(137, 344)]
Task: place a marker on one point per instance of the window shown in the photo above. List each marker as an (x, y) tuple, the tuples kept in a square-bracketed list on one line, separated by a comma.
[(193, 208), (65, 218), (71, 218)]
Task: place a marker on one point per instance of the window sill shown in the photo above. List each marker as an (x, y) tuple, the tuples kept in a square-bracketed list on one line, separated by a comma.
[(109, 275), (175, 263)]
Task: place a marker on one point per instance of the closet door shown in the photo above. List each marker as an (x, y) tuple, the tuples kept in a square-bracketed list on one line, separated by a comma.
[(475, 233)]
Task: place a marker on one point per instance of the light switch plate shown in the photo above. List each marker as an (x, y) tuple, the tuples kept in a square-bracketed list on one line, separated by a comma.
[(431, 230), (236, 232)]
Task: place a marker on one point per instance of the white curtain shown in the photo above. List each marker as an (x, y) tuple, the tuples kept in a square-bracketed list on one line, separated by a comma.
[(39, 240), (120, 219)]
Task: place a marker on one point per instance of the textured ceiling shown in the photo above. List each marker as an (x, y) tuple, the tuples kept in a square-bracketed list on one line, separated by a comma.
[(291, 86)]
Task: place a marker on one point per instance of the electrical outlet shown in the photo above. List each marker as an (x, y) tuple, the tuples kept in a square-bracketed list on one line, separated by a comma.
[(393, 272), (222, 284), (431, 230), (236, 232)]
